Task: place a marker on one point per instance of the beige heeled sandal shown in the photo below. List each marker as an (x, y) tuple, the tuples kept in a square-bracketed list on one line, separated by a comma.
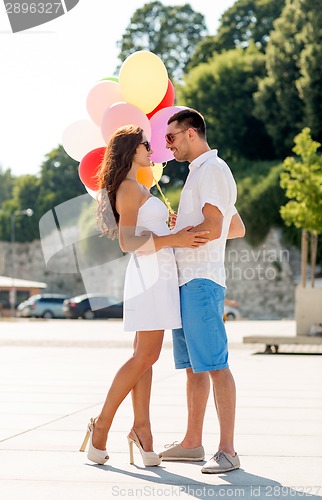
[(150, 458), (93, 454)]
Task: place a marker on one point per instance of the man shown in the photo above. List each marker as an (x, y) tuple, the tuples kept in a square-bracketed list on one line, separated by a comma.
[(208, 203)]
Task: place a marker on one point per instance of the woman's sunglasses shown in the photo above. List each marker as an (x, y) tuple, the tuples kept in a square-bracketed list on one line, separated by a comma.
[(147, 145)]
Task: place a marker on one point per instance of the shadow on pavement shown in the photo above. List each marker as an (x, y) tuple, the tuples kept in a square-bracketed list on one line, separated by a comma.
[(240, 484)]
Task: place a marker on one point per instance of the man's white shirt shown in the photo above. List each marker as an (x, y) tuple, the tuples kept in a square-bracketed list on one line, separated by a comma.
[(209, 181)]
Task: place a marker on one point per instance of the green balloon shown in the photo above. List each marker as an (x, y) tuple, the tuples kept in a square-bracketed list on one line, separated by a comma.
[(111, 78)]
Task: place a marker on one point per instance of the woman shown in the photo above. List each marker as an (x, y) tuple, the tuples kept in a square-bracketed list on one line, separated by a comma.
[(151, 291)]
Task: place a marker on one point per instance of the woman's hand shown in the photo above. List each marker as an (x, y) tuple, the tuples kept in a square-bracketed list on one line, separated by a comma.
[(185, 238)]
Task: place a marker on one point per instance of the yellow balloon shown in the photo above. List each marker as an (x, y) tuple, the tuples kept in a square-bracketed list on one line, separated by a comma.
[(143, 80), (157, 171)]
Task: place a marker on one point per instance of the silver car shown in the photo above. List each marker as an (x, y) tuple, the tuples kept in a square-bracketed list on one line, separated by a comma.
[(47, 305)]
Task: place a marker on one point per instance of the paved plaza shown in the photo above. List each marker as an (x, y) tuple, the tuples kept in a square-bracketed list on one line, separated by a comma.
[(54, 375)]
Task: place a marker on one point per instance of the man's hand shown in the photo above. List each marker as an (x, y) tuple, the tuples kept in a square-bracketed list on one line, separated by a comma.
[(172, 221)]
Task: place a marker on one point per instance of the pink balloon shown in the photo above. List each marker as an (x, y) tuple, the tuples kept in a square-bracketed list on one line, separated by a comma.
[(159, 124), (101, 97), (124, 113)]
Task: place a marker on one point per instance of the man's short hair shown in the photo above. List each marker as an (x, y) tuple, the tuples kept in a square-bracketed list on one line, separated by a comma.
[(190, 118)]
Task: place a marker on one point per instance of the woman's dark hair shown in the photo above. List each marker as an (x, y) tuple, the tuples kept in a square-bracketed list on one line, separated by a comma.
[(115, 166), (190, 118)]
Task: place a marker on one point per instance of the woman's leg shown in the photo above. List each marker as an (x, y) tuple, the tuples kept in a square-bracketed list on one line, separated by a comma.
[(141, 393), (147, 351)]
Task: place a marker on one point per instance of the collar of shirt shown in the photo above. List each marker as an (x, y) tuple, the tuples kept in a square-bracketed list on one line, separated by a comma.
[(200, 160)]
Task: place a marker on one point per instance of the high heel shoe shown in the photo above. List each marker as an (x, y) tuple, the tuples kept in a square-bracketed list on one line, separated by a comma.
[(150, 458), (93, 454)]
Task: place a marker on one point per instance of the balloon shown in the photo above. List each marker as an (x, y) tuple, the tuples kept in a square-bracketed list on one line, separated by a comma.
[(92, 193), (145, 176), (89, 167), (148, 175), (81, 137), (100, 97), (123, 113), (159, 128), (110, 78), (168, 99), (157, 171), (143, 80)]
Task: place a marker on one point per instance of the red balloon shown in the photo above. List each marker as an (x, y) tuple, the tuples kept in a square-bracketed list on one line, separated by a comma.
[(89, 168), (167, 101)]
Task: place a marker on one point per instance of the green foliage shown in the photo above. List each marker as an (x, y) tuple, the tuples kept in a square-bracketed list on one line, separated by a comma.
[(6, 184), (259, 201), (289, 98), (302, 181), (58, 182), (170, 32), (246, 22), (309, 84), (222, 90)]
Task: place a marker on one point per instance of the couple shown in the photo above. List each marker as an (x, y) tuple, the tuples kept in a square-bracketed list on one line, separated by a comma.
[(190, 282)]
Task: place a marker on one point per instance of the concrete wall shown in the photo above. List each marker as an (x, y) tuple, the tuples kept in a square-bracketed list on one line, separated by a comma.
[(308, 309), (261, 279)]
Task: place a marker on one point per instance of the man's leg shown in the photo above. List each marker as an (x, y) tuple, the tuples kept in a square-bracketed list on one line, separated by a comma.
[(225, 459), (198, 386), (225, 401)]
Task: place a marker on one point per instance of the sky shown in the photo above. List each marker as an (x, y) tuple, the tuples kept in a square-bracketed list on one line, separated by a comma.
[(46, 73)]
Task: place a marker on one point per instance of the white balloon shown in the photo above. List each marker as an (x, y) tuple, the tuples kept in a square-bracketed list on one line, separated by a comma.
[(92, 193), (81, 137)]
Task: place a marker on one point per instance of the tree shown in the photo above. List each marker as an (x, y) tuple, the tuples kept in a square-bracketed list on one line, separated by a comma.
[(222, 90), (59, 180), (289, 98), (170, 32), (246, 22), (302, 181), (309, 84), (6, 184), (25, 195)]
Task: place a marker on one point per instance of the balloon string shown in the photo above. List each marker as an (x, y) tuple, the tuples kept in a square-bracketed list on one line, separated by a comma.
[(166, 201)]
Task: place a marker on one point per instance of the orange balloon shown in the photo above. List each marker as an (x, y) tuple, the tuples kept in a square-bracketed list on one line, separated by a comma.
[(145, 176)]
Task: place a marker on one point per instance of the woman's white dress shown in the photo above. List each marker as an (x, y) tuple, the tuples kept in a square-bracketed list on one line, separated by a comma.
[(151, 289)]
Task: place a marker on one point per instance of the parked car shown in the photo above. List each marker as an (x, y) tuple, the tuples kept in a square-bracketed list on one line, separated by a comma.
[(47, 305), (231, 311), (104, 307)]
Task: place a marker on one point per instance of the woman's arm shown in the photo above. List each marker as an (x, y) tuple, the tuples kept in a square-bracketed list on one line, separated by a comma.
[(129, 199)]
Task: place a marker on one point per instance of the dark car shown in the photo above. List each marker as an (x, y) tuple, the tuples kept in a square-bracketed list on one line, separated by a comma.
[(91, 306), (47, 305)]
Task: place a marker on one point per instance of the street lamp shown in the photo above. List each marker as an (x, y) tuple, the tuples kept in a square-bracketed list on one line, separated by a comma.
[(29, 212)]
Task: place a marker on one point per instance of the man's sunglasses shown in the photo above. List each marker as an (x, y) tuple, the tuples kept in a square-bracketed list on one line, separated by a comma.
[(171, 137), (147, 145)]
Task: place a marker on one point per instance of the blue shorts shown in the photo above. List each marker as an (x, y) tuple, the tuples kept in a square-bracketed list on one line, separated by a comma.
[(201, 343)]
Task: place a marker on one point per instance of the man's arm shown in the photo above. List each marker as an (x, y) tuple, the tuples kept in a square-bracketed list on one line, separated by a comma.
[(213, 221), (236, 228)]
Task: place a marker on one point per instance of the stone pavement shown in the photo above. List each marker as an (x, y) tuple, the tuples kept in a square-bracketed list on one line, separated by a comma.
[(54, 376)]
